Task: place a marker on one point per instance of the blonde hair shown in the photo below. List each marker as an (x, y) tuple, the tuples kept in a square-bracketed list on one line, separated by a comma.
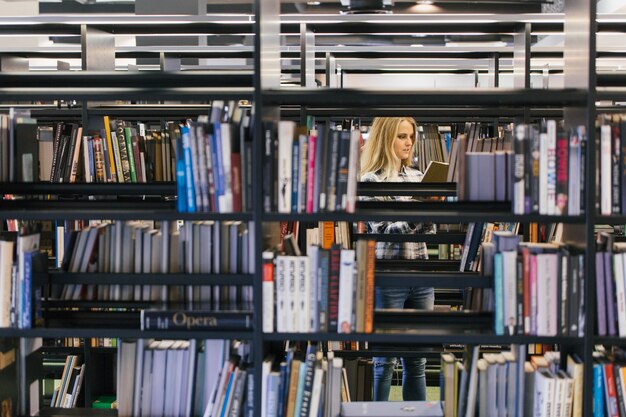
[(378, 155)]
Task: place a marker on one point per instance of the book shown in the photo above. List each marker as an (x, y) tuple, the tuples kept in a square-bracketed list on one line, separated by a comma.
[(195, 320)]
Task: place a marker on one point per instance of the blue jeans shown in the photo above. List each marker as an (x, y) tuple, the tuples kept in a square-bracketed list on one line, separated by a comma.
[(413, 369)]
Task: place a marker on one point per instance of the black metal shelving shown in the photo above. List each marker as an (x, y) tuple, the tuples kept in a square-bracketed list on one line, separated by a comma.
[(152, 278), (124, 333), (423, 338)]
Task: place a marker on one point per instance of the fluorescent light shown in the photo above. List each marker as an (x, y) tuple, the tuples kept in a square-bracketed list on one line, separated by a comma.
[(461, 44), (313, 3), (426, 2)]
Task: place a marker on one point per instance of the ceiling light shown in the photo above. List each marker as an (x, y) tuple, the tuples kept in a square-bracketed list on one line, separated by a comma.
[(426, 2), (313, 3)]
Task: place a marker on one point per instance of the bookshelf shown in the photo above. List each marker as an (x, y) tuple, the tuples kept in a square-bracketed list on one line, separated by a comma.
[(576, 103)]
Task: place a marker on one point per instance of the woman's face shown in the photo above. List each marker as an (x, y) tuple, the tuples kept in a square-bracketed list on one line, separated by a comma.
[(403, 143)]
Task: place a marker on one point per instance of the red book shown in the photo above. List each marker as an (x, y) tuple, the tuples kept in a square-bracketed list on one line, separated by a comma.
[(562, 169), (310, 186), (235, 170), (369, 286), (610, 393), (526, 278)]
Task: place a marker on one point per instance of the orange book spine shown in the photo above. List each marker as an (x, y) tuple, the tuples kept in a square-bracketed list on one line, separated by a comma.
[(369, 286)]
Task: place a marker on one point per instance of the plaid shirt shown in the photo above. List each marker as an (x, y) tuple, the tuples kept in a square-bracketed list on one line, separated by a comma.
[(395, 250)]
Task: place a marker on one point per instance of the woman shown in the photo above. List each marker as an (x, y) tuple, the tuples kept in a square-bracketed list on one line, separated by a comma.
[(386, 157)]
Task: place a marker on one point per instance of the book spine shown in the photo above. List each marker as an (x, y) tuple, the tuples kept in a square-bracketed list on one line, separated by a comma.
[(605, 170), (295, 174), (343, 169), (499, 293), (610, 394), (534, 169), (134, 143), (574, 174), (600, 294), (189, 180), (582, 136), (285, 150), (268, 292), (333, 289), (88, 160), (369, 286), (304, 294), (615, 169), (543, 172), (518, 185), (311, 173), (109, 140), (562, 174), (281, 294), (353, 174), (551, 170), (598, 391), (194, 320), (324, 259), (98, 159), (346, 289)]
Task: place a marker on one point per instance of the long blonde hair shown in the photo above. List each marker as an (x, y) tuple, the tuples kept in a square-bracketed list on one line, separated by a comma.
[(378, 155)]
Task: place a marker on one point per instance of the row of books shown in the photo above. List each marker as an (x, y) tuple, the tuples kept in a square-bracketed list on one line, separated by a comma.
[(476, 161), (327, 290), (214, 162), (66, 394), (310, 171), (122, 152), (80, 342), (165, 378), (308, 384), (476, 235), (539, 288), (19, 298), (432, 144), (19, 154), (193, 247), (609, 382), (612, 165), (611, 287), (501, 384), (549, 169)]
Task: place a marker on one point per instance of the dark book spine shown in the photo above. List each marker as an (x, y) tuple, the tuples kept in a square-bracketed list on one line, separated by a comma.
[(520, 293), (562, 174), (620, 393), (622, 132), (246, 156), (331, 181), (295, 174), (534, 177), (582, 137), (308, 380), (615, 168), (333, 289), (528, 169), (573, 297), (269, 198), (518, 171), (194, 320), (342, 171)]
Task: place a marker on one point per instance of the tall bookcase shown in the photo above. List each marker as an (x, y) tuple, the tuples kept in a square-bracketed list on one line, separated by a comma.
[(262, 86)]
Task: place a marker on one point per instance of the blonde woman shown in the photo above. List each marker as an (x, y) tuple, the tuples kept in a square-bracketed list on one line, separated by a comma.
[(386, 157)]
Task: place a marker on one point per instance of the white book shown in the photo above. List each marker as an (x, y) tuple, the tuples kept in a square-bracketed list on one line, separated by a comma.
[(226, 201), (346, 290), (509, 261), (86, 163), (314, 288), (293, 295), (620, 292), (546, 294), (543, 173), (568, 394), (316, 392), (573, 208), (190, 366), (349, 204), (551, 173), (559, 395), (281, 294), (139, 373), (6, 265), (268, 292), (304, 294), (285, 143), (146, 384), (544, 393), (605, 170), (518, 183)]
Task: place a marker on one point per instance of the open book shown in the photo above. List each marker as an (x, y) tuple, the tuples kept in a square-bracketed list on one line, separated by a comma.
[(436, 172)]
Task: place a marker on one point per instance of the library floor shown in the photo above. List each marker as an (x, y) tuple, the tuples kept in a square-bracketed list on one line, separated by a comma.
[(395, 394)]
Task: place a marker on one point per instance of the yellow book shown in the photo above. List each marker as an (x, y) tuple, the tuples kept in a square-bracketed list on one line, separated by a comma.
[(107, 130)]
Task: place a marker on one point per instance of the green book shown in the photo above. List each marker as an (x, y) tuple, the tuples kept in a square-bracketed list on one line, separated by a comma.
[(129, 149)]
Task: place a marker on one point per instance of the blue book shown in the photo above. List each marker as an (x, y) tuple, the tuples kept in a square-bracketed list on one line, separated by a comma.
[(281, 388), (189, 180), (322, 279), (227, 395), (92, 165), (300, 391), (218, 165), (498, 293), (598, 391), (181, 187), (273, 381), (25, 318), (295, 175)]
